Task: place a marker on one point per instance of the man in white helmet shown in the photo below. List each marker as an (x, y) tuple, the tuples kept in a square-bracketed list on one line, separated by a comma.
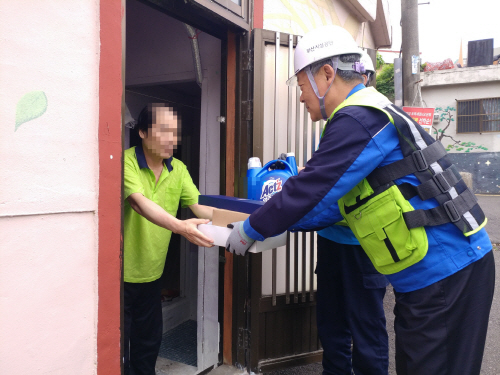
[(367, 62), (403, 199), (350, 291)]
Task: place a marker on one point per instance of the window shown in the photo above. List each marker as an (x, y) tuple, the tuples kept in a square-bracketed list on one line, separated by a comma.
[(233, 5), (478, 115), (235, 11)]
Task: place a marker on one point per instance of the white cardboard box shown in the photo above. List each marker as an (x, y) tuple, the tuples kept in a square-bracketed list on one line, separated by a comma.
[(220, 235), (219, 232)]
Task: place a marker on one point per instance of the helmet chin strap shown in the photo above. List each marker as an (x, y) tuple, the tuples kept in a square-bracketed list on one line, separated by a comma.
[(315, 87)]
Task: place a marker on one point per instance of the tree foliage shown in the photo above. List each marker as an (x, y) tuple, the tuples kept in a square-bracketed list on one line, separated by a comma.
[(380, 61), (385, 81)]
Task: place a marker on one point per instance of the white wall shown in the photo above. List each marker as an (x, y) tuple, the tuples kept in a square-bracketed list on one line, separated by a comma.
[(48, 187), (443, 88)]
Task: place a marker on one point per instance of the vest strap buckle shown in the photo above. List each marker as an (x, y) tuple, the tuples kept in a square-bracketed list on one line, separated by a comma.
[(441, 182), (451, 211), (419, 160)]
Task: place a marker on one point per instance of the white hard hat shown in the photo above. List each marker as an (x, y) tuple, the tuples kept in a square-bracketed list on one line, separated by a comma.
[(321, 43), (367, 62)]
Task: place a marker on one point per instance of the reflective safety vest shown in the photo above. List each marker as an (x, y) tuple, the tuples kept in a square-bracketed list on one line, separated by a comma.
[(378, 211)]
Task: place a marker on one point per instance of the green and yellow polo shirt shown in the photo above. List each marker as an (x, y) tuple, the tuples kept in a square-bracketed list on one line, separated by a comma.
[(145, 243)]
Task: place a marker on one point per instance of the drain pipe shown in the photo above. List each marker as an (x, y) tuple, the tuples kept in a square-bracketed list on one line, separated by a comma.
[(196, 53)]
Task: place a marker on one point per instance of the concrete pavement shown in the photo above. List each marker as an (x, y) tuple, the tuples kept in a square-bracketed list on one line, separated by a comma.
[(491, 207)]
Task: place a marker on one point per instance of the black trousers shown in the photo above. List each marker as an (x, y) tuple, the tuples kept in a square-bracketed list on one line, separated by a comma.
[(441, 329), (350, 308), (143, 327)]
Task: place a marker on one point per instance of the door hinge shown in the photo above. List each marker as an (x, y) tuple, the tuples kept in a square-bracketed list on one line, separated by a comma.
[(244, 338), (247, 110), (247, 60)]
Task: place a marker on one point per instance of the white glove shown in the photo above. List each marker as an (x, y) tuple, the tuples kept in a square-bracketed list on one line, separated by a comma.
[(238, 242)]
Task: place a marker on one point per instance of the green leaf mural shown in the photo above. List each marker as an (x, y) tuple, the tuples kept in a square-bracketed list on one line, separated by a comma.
[(31, 106)]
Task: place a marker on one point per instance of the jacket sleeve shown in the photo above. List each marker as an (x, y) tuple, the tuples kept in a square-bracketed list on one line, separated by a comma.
[(346, 154), (324, 219)]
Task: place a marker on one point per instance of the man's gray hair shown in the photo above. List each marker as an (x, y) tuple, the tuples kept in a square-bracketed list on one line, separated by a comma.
[(346, 75)]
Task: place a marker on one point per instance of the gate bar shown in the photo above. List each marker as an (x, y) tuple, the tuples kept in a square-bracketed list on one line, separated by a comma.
[(304, 235), (276, 85), (289, 117), (289, 149), (296, 267), (276, 151), (296, 234), (312, 235)]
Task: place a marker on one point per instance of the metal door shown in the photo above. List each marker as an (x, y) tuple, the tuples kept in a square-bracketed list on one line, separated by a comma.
[(275, 292)]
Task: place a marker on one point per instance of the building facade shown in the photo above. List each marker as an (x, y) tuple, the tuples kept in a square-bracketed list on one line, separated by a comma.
[(468, 100)]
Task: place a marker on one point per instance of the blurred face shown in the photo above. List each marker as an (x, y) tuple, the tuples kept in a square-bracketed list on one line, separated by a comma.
[(164, 135)]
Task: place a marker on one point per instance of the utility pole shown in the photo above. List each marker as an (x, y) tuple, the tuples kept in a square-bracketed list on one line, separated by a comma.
[(410, 48)]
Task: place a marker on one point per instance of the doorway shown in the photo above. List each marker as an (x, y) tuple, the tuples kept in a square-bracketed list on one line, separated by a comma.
[(170, 62)]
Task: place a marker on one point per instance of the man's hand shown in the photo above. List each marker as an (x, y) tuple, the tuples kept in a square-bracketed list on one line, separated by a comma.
[(238, 242), (157, 215), (189, 230)]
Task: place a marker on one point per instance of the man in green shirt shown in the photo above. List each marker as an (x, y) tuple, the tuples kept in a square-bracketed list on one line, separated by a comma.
[(154, 185)]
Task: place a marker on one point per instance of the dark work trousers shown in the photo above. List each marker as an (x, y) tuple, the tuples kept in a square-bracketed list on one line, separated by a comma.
[(350, 307), (143, 327), (441, 329)]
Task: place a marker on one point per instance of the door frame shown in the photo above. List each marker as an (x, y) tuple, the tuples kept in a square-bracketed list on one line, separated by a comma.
[(110, 215), (110, 136)]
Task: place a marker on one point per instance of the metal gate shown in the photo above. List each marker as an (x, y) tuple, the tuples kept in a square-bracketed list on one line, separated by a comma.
[(275, 304)]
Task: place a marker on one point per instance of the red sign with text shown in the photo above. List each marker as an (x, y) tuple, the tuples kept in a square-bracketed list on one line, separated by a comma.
[(423, 116)]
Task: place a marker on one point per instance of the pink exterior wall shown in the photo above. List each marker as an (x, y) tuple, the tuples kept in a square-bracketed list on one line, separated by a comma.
[(49, 74)]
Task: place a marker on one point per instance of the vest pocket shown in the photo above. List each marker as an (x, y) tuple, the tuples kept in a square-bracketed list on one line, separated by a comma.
[(381, 230)]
